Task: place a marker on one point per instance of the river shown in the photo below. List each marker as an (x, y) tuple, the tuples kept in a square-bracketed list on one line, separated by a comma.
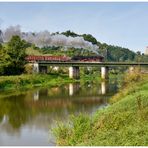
[(27, 118)]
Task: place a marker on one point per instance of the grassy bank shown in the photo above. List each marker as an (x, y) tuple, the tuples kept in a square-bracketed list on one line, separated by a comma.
[(123, 123), (30, 81), (26, 81)]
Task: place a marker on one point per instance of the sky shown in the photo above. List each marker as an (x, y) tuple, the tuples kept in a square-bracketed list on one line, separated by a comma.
[(122, 24)]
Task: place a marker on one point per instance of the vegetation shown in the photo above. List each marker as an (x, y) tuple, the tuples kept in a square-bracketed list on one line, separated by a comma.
[(33, 80), (110, 52), (12, 59), (13, 53), (123, 123), (25, 81)]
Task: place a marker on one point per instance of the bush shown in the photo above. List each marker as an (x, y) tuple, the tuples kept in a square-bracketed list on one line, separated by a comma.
[(133, 75), (28, 69)]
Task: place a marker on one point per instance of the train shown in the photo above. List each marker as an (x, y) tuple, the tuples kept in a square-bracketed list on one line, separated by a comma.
[(32, 58)]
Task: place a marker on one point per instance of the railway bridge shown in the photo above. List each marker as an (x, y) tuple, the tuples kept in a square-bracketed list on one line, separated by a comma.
[(40, 66)]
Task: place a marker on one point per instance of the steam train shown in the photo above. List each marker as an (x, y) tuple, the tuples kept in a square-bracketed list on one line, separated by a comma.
[(65, 58)]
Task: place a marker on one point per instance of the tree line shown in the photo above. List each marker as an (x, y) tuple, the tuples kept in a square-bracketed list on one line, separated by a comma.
[(13, 53), (110, 52)]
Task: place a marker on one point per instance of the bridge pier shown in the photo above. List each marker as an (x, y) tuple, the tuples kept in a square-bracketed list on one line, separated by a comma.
[(39, 69), (104, 72), (74, 72), (35, 68)]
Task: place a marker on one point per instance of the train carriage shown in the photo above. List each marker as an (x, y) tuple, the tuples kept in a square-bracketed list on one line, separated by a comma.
[(65, 58)]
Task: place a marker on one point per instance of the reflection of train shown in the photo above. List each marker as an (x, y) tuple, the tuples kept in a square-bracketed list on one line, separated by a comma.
[(65, 58)]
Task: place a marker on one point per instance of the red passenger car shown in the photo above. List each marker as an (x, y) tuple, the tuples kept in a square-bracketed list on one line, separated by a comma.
[(47, 58)]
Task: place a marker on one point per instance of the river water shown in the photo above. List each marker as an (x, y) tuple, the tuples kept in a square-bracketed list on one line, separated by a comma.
[(27, 118)]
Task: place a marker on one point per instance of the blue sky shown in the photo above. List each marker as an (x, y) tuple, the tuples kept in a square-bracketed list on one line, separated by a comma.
[(118, 23)]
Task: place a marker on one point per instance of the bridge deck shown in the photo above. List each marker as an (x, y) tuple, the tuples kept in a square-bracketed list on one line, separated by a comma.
[(71, 63)]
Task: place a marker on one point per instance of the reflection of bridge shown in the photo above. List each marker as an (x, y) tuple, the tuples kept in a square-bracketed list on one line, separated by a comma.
[(41, 66), (72, 92)]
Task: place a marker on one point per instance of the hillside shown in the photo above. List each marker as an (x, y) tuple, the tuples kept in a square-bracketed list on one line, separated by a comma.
[(110, 52)]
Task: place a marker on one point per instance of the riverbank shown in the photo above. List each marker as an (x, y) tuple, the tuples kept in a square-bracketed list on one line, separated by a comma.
[(30, 81), (27, 81), (123, 123)]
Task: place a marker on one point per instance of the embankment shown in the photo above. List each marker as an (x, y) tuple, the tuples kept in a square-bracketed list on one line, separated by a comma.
[(123, 123), (26, 81), (30, 81)]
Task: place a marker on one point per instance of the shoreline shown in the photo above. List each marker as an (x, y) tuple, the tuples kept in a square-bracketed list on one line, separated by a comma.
[(123, 123)]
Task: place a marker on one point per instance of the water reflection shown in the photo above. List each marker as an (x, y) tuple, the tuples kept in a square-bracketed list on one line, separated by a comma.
[(73, 88), (25, 118), (36, 95), (104, 87)]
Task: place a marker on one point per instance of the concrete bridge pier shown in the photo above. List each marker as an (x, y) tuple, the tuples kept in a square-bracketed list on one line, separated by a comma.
[(74, 72), (104, 72), (39, 69), (35, 68)]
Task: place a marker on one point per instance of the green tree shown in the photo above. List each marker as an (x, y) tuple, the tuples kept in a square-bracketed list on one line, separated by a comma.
[(16, 52), (70, 33), (89, 38), (4, 59)]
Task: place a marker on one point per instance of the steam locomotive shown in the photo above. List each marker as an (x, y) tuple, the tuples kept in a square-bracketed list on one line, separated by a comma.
[(65, 58)]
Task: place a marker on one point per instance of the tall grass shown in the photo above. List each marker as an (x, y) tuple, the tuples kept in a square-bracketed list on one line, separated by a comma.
[(124, 123), (33, 80)]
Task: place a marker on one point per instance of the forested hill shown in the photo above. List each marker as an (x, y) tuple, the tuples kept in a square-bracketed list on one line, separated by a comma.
[(110, 52)]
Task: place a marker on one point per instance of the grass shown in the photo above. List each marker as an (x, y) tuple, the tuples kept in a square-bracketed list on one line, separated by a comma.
[(27, 81), (34, 80), (123, 123)]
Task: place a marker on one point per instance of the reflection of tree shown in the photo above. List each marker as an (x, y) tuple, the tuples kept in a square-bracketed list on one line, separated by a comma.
[(15, 109), (1, 118), (54, 103)]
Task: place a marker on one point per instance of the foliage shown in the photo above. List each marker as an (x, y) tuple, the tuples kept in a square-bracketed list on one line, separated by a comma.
[(110, 52), (32, 51), (28, 69), (117, 54), (80, 126), (33, 80), (89, 38), (133, 76), (124, 123), (4, 59), (70, 33), (12, 58)]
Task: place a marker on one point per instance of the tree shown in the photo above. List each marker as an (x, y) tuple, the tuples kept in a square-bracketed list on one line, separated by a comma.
[(89, 38), (70, 33), (4, 59), (16, 52)]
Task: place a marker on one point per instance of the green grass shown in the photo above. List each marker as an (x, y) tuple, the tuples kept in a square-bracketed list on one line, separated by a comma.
[(27, 81), (30, 81), (123, 123)]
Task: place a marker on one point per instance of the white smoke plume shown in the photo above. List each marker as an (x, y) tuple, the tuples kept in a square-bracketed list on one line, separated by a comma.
[(46, 39), (11, 31), (1, 33)]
